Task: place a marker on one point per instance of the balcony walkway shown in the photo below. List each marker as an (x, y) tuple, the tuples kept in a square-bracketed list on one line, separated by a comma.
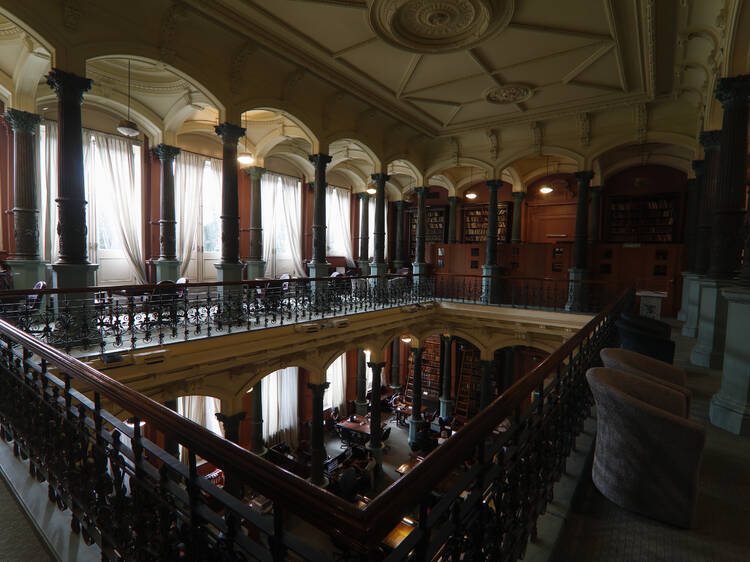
[(597, 529)]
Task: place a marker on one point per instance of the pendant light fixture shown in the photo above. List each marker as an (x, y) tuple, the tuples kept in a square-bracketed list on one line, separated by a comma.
[(471, 194), (546, 188), (126, 126), (245, 157)]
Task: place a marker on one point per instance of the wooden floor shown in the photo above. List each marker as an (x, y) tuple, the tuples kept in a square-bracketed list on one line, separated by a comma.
[(598, 530)]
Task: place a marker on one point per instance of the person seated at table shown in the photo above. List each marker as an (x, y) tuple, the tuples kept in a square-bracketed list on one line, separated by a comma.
[(367, 466), (444, 435)]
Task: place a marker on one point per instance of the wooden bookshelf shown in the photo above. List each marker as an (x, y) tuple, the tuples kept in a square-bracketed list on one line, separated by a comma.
[(436, 228), (430, 371), (475, 223), (642, 219), (469, 382)]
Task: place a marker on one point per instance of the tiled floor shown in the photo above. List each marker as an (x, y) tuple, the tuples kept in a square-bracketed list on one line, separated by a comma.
[(598, 530)]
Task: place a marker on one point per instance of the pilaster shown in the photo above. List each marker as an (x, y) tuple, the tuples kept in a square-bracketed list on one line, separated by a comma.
[(712, 326)]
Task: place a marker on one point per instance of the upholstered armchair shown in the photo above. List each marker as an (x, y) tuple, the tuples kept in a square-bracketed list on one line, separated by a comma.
[(647, 455), (648, 368)]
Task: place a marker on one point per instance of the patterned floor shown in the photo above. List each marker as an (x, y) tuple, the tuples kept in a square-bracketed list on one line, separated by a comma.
[(598, 530)]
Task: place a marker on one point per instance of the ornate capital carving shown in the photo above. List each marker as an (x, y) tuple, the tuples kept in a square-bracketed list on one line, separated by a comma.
[(422, 190), (67, 85), (320, 160), (584, 176), (22, 121), (255, 172), (733, 90), (363, 196), (518, 195), (584, 128), (166, 153), (230, 133), (710, 139), (494, 184), (380, 179), (454, 200), (399, 205)]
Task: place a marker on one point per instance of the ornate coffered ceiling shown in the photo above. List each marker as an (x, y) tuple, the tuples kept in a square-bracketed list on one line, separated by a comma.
[(455, 65)]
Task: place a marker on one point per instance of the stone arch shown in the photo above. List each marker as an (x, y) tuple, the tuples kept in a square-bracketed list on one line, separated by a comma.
[(32, 32), (651, 137), (295, 114), (354, 139), (462, 161), (512, 341), (400, 164), (547, 150)]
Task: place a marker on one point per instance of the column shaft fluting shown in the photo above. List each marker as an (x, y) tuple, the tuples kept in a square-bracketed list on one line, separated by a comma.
[(25, 205), (582, 208), (320, 161), (230, 204), (71, 195), (167, 223), (379, 230), (256, 221), (710, 140), (727, 240)]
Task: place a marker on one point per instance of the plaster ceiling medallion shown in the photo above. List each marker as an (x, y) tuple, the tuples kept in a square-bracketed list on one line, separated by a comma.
[(438, 26), (510, 93)]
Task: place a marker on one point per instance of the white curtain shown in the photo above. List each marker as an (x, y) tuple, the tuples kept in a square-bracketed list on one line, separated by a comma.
[(118, 188), (281, 218), (211, 212), (371, 227), (335, 394), (368, 371), (188, 185), (202, 410), (338, 223), (47, 170), (279, 398)]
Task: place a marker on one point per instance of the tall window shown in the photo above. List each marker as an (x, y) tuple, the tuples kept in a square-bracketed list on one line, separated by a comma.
[(202, 410), (281, 210), (335, 394), (279, 398), (338, 224)]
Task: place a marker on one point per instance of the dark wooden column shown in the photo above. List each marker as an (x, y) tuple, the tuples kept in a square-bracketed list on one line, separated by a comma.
[(71, 197), (416, 400), (452, 219), (515, 236), (727, 239), (485, 383), (320, 161), (446, 400), (710, 140), (421, 218), (230, 268), (490, 270), (396, 365), (231, 423), (364, 233), (398, 260), (695, 187), (167, 266), (375, 417), (316, 438), (577, 274), (25, 205), (360, 404), (379, 230), (256, 265), (595, 213), (257, 444)]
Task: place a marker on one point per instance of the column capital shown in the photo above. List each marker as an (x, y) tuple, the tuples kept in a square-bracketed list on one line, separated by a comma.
[(518, 195), (733, 90), (165, 152), (317, 386), (453, 199), (400, 204), (595, 188), (699, 166), (363, 196), (584, 176), (255, 172), (494, 184), (422, 189), (378, 178), (230, 418), (320, 159), (710, 140), (229, 132), (376, 365), (22, 121), (67, 84)]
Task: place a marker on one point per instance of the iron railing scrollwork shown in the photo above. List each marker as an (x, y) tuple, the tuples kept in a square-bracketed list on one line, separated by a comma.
[(477, 496)]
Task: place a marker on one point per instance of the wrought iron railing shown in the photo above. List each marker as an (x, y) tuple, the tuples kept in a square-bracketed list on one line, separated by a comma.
[(135, 316), (475, 497)]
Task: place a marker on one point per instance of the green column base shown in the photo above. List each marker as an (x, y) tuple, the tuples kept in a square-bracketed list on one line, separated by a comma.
[(319, 270), (364, 267), (712, 325), (167, 270), (691, 291), (255, 269), (360, 408), (26, 273), (446, 407)]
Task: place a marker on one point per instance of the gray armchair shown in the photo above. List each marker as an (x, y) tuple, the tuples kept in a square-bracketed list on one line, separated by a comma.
[(648, 368), (647, 455)]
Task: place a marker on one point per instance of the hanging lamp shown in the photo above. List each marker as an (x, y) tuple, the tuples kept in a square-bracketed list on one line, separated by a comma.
[(546, 188), (126, 126), (245, 157)]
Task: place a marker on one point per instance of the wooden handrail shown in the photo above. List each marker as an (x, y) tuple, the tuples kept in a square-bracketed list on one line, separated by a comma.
[(363, 527)]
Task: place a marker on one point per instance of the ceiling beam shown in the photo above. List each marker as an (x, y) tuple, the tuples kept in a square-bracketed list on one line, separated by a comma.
[(350, 48), (493, 75), (588, 61), (408, 73), (612, 21), (444, 83), (341, 3), (559, 31), (542, 58)]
